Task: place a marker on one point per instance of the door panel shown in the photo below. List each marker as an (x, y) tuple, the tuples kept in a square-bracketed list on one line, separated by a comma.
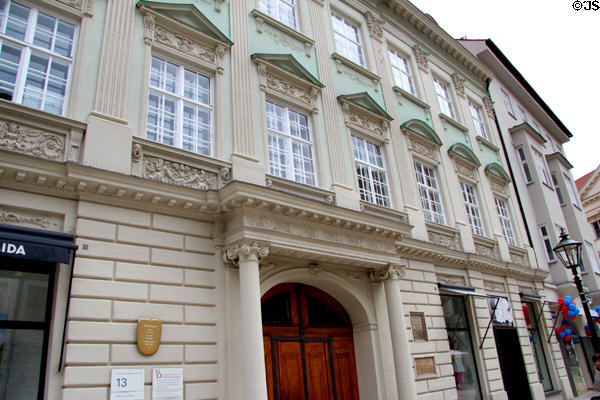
[(345, 368), (290, 382), (318, 370)]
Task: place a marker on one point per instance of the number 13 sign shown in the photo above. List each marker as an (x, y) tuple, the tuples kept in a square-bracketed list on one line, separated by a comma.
[(127, 384)]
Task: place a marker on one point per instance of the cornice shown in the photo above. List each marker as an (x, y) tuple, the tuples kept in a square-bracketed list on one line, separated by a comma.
[(561, 158), (525, 127), (431, 30)]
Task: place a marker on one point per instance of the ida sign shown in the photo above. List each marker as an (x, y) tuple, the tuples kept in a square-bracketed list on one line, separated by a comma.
[(10, 248)]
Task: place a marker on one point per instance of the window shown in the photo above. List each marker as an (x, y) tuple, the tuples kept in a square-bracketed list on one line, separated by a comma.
[(290, 144), (36, 57), (370, 170), (401, 71), (557, 189), (589, 248), (539, 130), (541, 167), (347, 39), (283, 11), (508, 103), (541, 363), (504, 216), (472, 208), (596, 226), (444, 99), (179, 107), (523, 115), (478, 120), (429, 193), (524, 165), (547, 243), (571, 190)]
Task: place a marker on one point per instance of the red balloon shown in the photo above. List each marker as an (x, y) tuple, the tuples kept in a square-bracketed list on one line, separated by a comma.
[(561, 300), (567, 338)]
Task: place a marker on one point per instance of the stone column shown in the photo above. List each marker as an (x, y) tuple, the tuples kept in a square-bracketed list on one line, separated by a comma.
[(405, 378), (247, 257)]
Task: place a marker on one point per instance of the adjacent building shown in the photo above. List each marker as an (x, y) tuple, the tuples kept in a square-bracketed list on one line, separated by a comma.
[(588, 189), (311, 197), (533, 138)]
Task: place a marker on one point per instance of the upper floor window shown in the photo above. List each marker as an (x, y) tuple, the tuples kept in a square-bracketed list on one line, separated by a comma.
[(541, 166), (472, 208), (523, 114), (478, 120), (571, 190), (430, 193), (444, 98), (402, 73), (504, 217), (283, 11), (179, 107), (539, 130), (557, 189), (507, 103), (290, 144), (524, 165), (370, 170), (547, 243), (36, 57), (347, 39), (596, 226)]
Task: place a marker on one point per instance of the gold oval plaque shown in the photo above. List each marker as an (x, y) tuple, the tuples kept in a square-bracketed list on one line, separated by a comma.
[(148, 335)]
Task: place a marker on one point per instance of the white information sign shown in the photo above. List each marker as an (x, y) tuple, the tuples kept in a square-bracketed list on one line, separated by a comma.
[(127, 384), (167, 383)]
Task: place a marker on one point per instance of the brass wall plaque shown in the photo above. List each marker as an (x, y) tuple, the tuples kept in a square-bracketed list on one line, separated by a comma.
[(425, 366), (148, 335)]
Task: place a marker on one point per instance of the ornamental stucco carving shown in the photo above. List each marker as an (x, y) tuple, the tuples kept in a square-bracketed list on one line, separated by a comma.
[(33, 142), (465, 171), (389, 272), (11, 217), (422, 149), (149, 27), (459, 84), (451, 280), (243, 251), (278, 36), (183, 43), (519, 259), (179, 174), (446, 240), (77, 4), (494, 286), (489, 107), (225, 174), (421, 57), (374, 26), (286, 87), (364, 123), (486, 250)]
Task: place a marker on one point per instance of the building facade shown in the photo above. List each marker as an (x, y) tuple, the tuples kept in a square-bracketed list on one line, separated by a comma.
[(533, 138), (309, 196), (588, 189)]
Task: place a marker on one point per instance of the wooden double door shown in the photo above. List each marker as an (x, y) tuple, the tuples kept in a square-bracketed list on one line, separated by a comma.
[(309, 350)]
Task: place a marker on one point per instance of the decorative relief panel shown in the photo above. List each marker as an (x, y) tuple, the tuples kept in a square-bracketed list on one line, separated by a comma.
[(421, 56), (459, 84), (374, 26), (492, 286), (489, 107), (423, 149), (487, 250), (454, 280), (29, 218), (518, 257), (363, 123), (30, 141), (444, 237), (499, 187), (466, 171), (306, 95)]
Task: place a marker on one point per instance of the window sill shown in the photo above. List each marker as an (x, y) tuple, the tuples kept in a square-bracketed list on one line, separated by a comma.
[(384, 212), (262, 18), (341, 60), (300, 189), (487, 143), (411, 97), (453, 122)]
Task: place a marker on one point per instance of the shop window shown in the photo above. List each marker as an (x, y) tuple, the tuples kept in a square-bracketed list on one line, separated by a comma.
[(541, 362), (25, 308), (461, 347), (36, 57)]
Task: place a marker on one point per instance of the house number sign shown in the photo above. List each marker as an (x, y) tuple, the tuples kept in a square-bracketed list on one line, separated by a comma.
[(148, 335)]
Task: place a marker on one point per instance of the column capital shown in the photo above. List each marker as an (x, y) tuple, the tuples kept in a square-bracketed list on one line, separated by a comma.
[(389, 272), (243, 250)]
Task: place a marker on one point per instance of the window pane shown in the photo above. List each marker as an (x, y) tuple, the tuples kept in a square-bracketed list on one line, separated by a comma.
[(23, 296), (9, 66), (20, 361), (16, 25)]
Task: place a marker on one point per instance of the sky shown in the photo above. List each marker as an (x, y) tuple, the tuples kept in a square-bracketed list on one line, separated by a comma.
[(556, 49)]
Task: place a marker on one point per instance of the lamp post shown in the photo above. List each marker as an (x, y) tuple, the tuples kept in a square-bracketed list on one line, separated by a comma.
[(569, 253)]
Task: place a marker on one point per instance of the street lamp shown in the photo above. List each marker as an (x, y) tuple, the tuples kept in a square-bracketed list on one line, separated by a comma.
[(569, 253)]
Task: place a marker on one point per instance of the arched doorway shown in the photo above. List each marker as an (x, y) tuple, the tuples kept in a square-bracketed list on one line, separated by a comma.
[(309, 348)]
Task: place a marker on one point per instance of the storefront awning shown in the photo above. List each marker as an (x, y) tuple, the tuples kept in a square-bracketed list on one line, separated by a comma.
[(462, 290), (36, 244)]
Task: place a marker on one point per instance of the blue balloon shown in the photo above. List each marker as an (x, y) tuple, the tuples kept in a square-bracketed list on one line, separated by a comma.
[(568, 298), (567, 331), (572, 306), (562, 334), (577, 310), (597, 309), (570, 313), (567, 301)]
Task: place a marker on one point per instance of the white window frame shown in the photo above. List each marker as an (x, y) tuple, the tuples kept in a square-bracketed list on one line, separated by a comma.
[(596, 228), (369, 157), (344, 43), (288, 169), (444, 97), (29, 49), (524, 165), (505, 221), (429, 192), (273, 8), (181, 100), (478, 121), (508, 103), (402, 71), (561, 199), (571, 190), (523, 114), (537, 128), (469, 196), (541, 167), (547, 243)]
